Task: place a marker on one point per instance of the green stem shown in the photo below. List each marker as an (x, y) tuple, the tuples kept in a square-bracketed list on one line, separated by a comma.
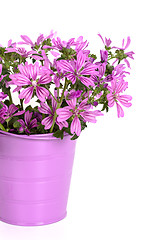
[(21, 102), (110, 58), (58, 94), (51, 94), (10, 97), (58, 105)]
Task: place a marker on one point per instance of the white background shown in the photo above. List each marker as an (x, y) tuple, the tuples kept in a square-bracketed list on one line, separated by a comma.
[(115, 189)]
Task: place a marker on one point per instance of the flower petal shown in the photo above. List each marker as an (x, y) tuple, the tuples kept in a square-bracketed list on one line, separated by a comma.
[(81, 57), (88, 116), (33, 123), (44, 108), (24, 70), (19, 113), (76, 126), (89, 69), (128, 42), (26, 94), (101, 38), (34, 70), (27, 117), (20, 80), (84, 105), (86, 81), (127, 62), (17, 89), (62, 124), (44, 79), (26, 40), (120, 111), (63, 114), (71, 77), (42, 93), (72, 103), (123, 99), (110, 99), (47, 122), (97, 113), (12, 108), (65, 66)]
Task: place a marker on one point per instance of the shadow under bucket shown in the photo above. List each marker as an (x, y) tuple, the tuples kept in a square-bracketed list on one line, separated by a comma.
[(35, 173)]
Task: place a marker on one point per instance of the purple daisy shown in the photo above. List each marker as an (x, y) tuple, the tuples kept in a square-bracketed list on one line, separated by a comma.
[(79, 69), (77, 111), (114, 96), (31, 76)]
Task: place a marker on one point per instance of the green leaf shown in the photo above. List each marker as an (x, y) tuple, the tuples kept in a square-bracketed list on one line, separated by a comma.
[(2, 128), (59, 134), (74, 137)]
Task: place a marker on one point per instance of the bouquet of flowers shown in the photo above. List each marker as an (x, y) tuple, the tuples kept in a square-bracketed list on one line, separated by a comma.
[(66, 81)]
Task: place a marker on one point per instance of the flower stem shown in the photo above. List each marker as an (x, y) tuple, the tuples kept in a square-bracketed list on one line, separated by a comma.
[(21, 102), (51, 94), (58, 105), (10, 97)]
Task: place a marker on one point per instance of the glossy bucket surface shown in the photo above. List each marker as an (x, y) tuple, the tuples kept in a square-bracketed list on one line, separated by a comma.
[(35, 173)]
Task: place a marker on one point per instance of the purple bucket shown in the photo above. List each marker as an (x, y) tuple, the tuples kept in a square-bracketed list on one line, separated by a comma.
[(35, 173)]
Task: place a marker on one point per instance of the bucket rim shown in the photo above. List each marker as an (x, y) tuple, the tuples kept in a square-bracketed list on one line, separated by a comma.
[(45, 136)]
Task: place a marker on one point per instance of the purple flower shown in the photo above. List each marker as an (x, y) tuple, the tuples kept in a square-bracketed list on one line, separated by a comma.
[(40, 39), (10, 44), (23, 52), (8, 112), (104, 56), (31, 76), (114, 96), (27, 124), (77, 112), (58, 44), (26, 40), (78, 69), (48, 121), (118, 73), (129, 54), (106, 42), (80, 44), (98, 80)]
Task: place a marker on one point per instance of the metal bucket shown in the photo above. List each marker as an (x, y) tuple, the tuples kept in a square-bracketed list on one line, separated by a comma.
[(35, 173)]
